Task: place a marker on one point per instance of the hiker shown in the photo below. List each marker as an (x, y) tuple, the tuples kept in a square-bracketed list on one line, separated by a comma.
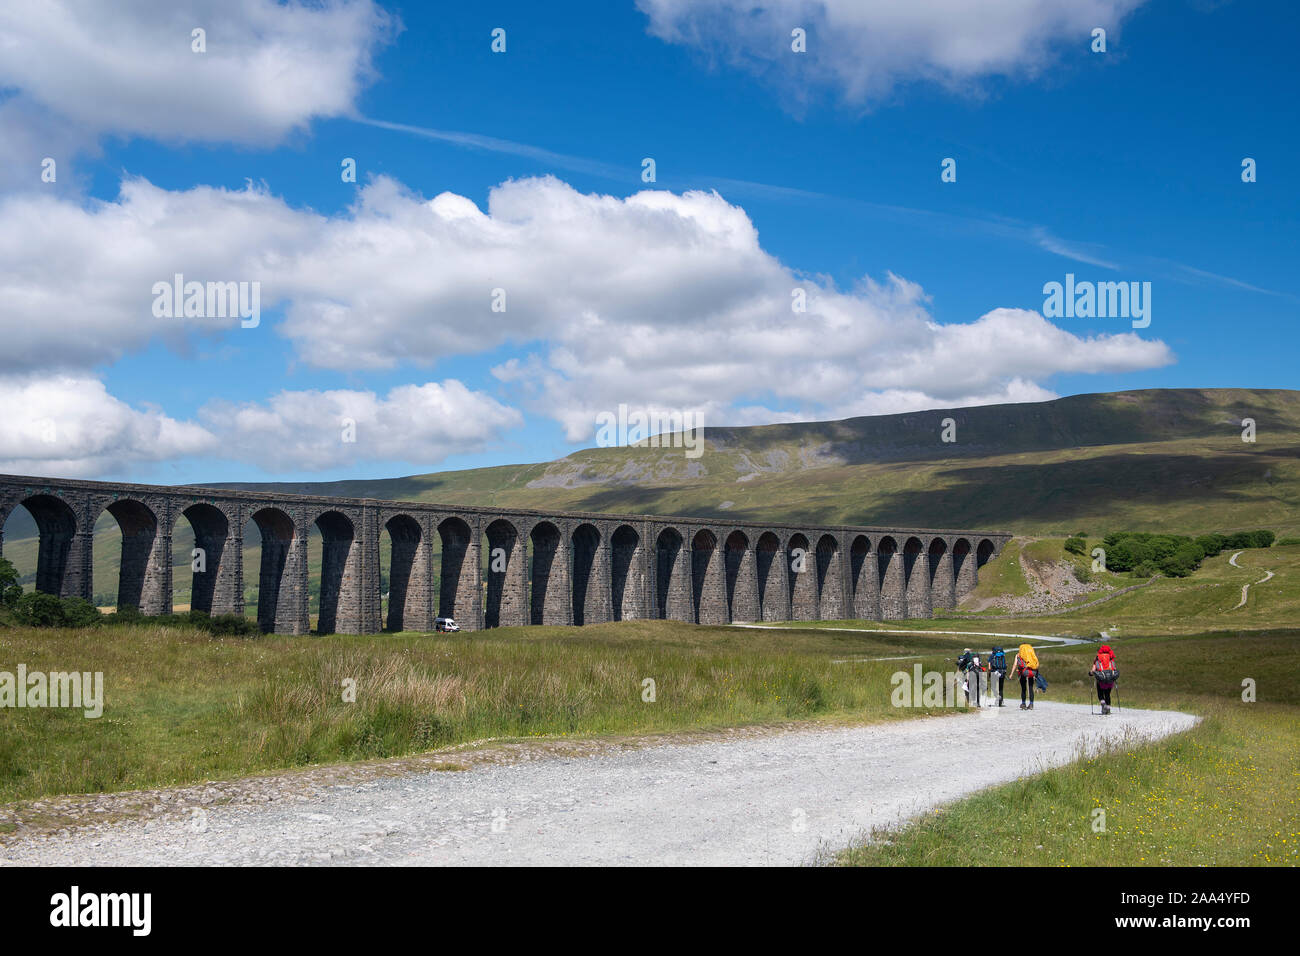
[(1026, 667), (998, 668), (1105, 672), (969, 665)]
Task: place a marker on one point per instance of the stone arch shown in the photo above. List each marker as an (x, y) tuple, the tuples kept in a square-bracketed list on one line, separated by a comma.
[(144, 573), (984, 553), (216, 579), (769, 562), (916, 574), (590, 576), (830, 579), (893, 590), (340, 575), (627, 576), (742, 580), (672, 578), (550, 586), (708, 587), (943, 586), (963, 567), (864, 582), (458, 587), (803, 578), (56, 528), (278, 608), (410, 572), (506, 585)]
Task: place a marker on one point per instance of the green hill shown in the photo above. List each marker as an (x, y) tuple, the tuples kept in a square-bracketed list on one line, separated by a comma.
[(1169, 459), (1154, 459)]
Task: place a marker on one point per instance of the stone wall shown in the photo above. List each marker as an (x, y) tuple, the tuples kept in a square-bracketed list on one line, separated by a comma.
[(489, 567)]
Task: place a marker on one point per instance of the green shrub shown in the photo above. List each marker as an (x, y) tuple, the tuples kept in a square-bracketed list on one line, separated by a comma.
[(233, 625), (1077, 545), (1286, 541), (39, 609), (78, 612)]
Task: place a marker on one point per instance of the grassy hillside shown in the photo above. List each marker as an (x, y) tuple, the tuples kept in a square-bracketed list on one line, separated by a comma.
[(1170, 460), (1146, 460)]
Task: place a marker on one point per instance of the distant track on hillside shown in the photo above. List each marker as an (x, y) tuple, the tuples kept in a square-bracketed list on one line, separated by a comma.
[(1245, 588)]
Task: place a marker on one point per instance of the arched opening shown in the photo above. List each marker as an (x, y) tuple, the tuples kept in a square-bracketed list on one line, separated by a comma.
[(458, 585), (893, 593), (275, 603), (916, 574), (983, 553), (830, 579), (144, 568), (803, 579), (742, 584), (708, 589), (589, 598), (627, 578), (340, 575), (863, 582), (963, 567), (773, 604), (204, 577), (549, 576), (672, 578), (39, 540), (504, 600), (409, 584), (942, 585)]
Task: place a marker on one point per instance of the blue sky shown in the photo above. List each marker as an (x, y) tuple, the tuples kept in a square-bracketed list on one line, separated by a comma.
[(225, 165)]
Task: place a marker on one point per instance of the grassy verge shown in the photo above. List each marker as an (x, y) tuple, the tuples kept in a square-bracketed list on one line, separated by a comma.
[(181, 706), (1225, 793)]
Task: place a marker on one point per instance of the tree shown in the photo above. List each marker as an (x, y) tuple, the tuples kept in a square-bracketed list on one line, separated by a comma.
[(10, 589)]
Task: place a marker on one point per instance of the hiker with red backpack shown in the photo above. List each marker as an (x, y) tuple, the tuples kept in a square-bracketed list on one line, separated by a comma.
[(1105, 672), (1026, 668)]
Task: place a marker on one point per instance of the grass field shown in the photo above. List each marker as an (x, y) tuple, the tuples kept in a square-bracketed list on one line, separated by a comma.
[(1225, 793), (181, 707)]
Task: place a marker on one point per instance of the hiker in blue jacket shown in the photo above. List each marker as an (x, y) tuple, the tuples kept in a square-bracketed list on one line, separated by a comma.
[(998, 670)]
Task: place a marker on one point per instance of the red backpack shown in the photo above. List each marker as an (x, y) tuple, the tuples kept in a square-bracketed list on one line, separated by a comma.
[(1106, 669)]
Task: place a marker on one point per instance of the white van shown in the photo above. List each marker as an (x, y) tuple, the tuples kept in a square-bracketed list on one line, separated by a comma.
[(446, 624)]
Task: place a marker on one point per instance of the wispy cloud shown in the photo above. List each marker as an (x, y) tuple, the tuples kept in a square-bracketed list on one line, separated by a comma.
[(1028, 233)]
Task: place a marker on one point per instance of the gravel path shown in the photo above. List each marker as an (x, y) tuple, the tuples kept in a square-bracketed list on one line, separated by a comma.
[(774, 799), (1245, 588)]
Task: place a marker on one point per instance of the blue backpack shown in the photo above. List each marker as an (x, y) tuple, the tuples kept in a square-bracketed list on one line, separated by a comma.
[(998, 660)]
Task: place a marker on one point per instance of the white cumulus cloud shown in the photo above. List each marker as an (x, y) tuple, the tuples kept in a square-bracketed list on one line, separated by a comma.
[(77, 70), (658, 299), (863, 49)]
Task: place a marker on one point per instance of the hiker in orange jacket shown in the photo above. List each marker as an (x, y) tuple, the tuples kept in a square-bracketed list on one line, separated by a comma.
[(1104, 670), (1026, 667)]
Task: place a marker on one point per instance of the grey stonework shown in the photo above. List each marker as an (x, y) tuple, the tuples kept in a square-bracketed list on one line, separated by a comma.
[(494, 567)]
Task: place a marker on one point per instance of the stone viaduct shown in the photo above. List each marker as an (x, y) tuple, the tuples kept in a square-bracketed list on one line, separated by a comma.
[(494, 566)]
